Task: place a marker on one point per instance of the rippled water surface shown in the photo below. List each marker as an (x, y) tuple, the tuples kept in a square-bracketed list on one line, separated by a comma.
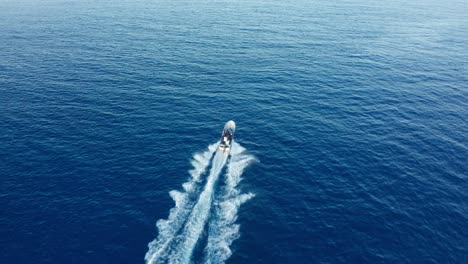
[(352, 117)]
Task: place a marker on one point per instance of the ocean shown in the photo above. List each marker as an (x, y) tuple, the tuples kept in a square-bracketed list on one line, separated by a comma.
[(351, 143)]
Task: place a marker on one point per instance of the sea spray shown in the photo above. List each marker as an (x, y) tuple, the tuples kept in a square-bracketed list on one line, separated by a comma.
[(168, 228)]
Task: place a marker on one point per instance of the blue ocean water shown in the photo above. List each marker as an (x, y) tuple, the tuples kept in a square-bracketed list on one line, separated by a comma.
[(353, 115)]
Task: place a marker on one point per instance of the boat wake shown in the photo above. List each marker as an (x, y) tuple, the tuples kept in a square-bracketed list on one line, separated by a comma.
[(169, 228), (180, 233), (222, 229)]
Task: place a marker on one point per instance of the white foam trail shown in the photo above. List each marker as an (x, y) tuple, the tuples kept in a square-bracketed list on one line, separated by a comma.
[(222, 229), (169, 228), (199, 215)]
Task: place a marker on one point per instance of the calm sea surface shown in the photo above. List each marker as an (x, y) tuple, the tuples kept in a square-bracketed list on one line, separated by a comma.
[(354, 115)]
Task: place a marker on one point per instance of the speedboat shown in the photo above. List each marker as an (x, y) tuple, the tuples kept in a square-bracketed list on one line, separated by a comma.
[(227, 136)]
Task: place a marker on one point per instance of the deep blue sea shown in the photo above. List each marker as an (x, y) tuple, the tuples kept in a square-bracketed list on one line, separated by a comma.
[(351, 143)]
